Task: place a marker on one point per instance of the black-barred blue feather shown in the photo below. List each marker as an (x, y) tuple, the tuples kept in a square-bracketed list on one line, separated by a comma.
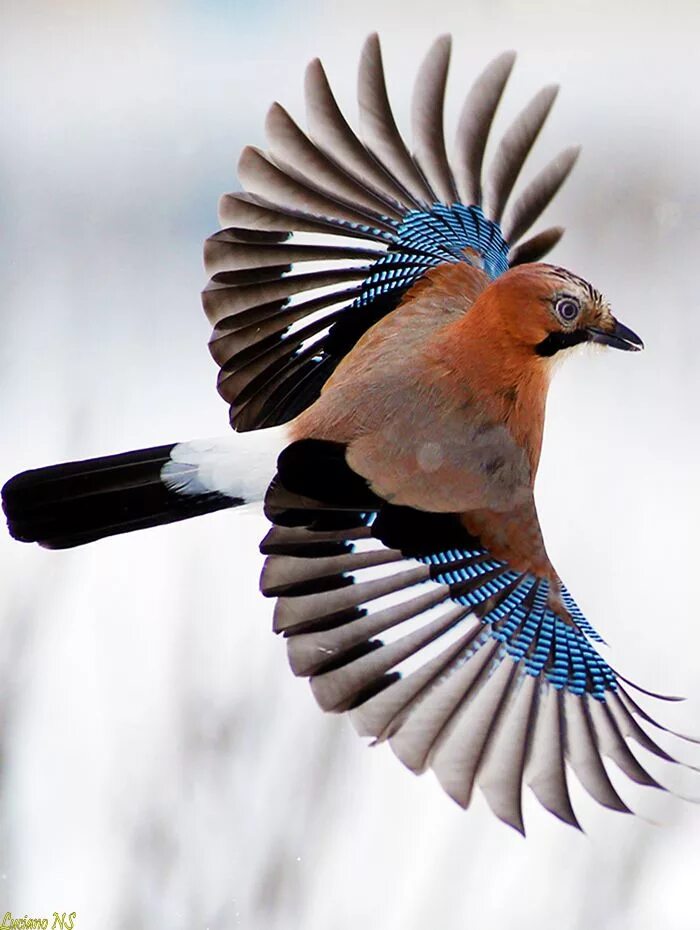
[(529, 630), (429, 238)]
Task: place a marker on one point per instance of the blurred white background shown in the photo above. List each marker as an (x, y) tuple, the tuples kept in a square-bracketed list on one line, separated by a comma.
[(161, 766)]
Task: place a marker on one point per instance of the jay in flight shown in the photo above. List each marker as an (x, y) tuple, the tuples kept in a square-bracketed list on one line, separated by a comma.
[(387, 401)]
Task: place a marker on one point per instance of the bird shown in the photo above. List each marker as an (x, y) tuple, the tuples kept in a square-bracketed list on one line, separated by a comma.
[(386, 339)]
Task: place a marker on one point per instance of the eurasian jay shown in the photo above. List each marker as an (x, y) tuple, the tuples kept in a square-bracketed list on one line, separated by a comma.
[(388, 404)]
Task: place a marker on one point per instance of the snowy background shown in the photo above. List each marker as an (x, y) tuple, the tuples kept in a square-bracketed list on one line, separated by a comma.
[(161, 768)]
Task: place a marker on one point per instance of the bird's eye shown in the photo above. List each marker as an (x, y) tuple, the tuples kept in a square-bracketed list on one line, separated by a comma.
[(567, 309)]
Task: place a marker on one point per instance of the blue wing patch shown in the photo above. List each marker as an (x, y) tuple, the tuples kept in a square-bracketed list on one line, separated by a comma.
[(426, 238), (520, 619)]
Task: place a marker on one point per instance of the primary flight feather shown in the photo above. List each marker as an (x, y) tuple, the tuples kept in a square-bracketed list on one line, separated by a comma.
[(387, 379)]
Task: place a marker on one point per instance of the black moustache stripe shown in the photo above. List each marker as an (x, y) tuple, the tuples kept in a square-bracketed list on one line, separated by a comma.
[(557, 341)]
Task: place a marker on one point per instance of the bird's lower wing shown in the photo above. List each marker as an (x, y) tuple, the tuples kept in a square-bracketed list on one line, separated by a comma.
[(406, 621)]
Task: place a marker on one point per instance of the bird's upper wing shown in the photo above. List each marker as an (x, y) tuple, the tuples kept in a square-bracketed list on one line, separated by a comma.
[(407, 620), (380, 216)]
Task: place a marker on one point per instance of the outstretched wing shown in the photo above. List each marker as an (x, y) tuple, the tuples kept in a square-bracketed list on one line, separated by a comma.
[(405, 620), (380, 216)]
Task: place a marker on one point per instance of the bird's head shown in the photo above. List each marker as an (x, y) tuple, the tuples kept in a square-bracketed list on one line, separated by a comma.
[(548, 309)]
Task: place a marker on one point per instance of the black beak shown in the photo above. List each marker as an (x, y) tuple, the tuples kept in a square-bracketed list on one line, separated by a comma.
[(619, 338)]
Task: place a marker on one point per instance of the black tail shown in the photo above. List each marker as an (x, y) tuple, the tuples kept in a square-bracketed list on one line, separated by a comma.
[(78, 502)]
